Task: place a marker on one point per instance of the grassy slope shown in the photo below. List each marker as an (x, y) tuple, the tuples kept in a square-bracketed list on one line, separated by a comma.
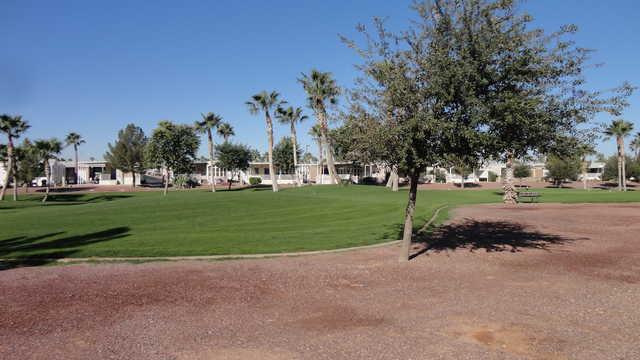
[(235, 222)]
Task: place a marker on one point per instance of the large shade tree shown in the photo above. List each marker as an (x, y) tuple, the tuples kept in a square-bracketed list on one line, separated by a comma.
[(12, 127), (291, 116), (47, 151), (172, 147), (265, 103), (471, 78), (127, 152), (75, 140), (207, 125), (322, 91), (233, 157), (620, 129)]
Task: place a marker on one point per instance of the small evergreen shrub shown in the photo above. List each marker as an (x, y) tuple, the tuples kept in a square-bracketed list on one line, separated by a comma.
[(253, 181)]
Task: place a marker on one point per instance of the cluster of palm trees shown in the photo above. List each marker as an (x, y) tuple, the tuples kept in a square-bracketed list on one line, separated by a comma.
[(620, 129), (45, 150), (322, 91), (206, 125)]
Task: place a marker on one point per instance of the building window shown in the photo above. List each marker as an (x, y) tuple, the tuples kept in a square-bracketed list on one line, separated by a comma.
[(266, 171), (256, 171)]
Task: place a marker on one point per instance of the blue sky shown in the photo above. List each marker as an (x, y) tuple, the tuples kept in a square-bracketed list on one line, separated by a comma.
[(92, 67)]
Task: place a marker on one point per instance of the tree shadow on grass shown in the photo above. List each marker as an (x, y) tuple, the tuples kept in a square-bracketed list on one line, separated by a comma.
[(33, 251), (63, 200), (491, 236)]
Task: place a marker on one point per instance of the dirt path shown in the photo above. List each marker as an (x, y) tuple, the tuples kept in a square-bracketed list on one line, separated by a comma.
[(538, 282)]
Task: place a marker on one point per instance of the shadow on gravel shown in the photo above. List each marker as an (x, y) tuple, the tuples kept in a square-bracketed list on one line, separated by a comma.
[(36, 250), (490, 236)]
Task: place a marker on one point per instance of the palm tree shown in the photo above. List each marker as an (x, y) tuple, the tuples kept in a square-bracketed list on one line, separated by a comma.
[(226, 131), (267, 102), (48, 150), (75, 140), (314, 132), (209, 121), (620, 129), (635, 146), (12, 127), (322, 88), (292, 116)]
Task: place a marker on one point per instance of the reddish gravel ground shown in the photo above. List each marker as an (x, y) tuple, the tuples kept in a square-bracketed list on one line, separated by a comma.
[(532, 282)]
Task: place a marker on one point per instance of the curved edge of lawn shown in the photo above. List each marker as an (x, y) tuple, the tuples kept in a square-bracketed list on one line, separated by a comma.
[(433, 222)]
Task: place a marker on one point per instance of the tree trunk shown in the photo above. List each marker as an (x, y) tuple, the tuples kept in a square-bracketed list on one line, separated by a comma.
[(320, 169), (47, 175), (407, 233), (133, 180), (624, 168), (166, 182), (510, 193), (75, 150), (272, 172), (324, 137), (393, 179), (15, 181), (584, 173), (619, 141), (8, 168), (295, 154), (211, 155)]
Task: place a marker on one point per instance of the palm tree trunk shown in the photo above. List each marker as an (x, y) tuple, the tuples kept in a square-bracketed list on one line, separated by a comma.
[(510, 194), (75, 150), (8, 168), (272, 172), (15, 181), (584, 173), (619, 143), (624, 166), (407, 233), (133, 179), (320, 169), (211, 155), (47, 175), (294, 141), (324, 137)]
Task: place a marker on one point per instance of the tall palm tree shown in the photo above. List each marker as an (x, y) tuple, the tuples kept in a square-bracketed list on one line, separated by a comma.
[(226, 131), (635, 146), (266, 102), (209, 122), (321, 89), (292, 116), (620, 129), (75, 140), (314, 132), (48, 150), (13, 127)]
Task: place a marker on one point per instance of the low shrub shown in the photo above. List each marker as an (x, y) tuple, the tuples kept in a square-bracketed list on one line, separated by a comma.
[(369, 180), (253, 181)]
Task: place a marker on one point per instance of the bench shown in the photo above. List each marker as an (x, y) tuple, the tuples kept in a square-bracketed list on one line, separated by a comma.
[(532, 195)]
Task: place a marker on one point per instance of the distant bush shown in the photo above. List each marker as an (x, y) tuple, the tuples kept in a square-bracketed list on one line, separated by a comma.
[(441, 177), (521, 171), (492, 177), (253, 181), (369, 180), (345, 182)]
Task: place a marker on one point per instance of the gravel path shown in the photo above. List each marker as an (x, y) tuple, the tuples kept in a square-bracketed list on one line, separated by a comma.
[(534, 282)]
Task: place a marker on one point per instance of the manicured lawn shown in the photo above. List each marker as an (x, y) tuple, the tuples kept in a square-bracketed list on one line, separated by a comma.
[(233, 222)]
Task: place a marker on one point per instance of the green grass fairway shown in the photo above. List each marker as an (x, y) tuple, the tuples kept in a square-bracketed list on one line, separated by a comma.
[(227, 222)]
